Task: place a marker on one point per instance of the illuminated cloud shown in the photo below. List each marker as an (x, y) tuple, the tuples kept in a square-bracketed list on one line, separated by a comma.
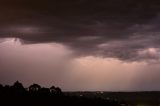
[(97, 39), (101, 28)]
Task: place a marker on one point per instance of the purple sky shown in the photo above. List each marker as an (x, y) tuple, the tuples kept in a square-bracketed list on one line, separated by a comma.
[(81, 44), (54, 64)]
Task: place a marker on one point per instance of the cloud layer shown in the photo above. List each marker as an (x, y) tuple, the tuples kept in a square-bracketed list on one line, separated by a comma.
[(123, 29)]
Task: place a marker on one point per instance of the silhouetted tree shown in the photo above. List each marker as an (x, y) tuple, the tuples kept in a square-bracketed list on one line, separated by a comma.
[(44, 91), (34, 87), (16, 95), (17, 88), (58, 90), (1, 88), (1, 85), (6, 88), (53, 89)]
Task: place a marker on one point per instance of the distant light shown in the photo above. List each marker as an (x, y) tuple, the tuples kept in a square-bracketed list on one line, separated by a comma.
[(80, 95)]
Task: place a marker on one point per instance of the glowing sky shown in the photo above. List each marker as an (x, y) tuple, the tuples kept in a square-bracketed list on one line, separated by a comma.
[(81, 44), (53, 64)]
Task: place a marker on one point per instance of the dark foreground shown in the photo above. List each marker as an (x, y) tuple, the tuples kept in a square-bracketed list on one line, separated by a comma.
[(148, 98), (36, 95)]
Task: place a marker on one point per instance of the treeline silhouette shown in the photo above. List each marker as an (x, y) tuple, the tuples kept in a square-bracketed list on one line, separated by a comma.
[(35, 95)]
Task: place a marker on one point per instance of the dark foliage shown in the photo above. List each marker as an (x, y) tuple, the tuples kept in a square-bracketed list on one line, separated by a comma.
[(35, 95)]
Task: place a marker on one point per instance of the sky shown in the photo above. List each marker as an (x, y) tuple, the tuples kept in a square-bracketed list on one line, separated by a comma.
[(88, 45)]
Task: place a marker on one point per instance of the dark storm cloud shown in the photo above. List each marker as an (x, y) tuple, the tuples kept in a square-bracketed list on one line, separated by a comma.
[(124, 29)]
